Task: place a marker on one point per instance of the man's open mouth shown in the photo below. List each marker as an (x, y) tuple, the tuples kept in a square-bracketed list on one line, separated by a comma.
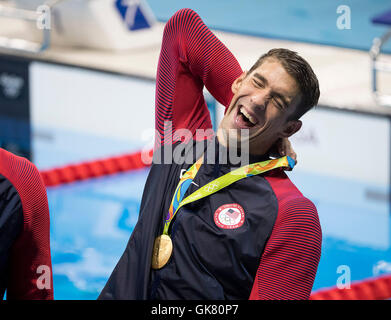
[(244, 119)]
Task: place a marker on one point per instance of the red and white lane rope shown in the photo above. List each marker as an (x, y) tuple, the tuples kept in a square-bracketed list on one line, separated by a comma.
[(378, 288), (94, 169)]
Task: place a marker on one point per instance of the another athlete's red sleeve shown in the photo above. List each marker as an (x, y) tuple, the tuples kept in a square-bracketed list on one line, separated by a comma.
[(30, 274), (290, 260), (191, 57)]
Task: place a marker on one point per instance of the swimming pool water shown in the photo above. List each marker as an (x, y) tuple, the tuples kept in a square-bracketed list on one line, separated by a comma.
[(300, 20)]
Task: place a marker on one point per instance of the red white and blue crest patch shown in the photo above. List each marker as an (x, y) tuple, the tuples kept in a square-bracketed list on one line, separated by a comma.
[(229, 216)]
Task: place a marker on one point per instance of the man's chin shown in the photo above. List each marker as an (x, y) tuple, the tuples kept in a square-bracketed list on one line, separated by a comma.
[(234, 137)]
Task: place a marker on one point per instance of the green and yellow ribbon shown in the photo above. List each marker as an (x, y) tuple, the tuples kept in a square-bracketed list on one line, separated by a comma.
[(217, 184)]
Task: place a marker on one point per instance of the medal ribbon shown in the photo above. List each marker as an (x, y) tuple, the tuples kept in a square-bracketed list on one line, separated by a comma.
[(217, 184)]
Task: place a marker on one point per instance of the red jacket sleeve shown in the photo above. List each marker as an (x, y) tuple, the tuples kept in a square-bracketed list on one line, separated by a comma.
[(191, 57), (30, 260), (290, 260)]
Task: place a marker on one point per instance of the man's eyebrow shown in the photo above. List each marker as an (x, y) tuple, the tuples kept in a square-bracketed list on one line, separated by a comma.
[(260, 77), (274, 93)]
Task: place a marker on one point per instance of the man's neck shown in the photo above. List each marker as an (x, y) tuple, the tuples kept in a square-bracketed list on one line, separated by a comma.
[(261, 154), (223, 139)]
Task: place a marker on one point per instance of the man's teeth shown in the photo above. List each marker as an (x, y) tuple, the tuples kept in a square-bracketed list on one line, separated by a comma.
[(250, 118)]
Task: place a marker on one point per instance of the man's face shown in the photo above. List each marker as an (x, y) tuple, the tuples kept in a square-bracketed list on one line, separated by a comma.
[(262, 103)]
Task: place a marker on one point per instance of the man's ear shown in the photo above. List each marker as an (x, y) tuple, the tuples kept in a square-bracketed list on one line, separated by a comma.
[(237, 83), (291, 128)]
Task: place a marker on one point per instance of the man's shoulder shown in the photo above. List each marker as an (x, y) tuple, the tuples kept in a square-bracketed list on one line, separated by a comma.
[(10, 200), (17, 169), (282, 186), (287, 193), (24, 176), (296, 213)]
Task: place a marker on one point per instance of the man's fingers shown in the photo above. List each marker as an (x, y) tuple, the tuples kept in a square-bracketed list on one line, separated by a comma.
[(294, 156), (281, 150), (285, 149)]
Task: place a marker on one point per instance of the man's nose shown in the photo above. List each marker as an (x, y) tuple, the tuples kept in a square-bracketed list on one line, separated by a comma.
[(259, 99)]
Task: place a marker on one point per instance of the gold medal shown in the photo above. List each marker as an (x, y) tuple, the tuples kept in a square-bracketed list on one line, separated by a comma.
[(162, 250)]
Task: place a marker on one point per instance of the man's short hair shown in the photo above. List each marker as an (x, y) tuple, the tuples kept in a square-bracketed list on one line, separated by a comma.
[(301, 71)]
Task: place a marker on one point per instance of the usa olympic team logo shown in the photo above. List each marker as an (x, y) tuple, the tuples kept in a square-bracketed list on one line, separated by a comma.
[(229, 216)]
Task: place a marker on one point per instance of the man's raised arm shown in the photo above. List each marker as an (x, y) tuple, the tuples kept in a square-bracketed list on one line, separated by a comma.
[(191, 57)]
